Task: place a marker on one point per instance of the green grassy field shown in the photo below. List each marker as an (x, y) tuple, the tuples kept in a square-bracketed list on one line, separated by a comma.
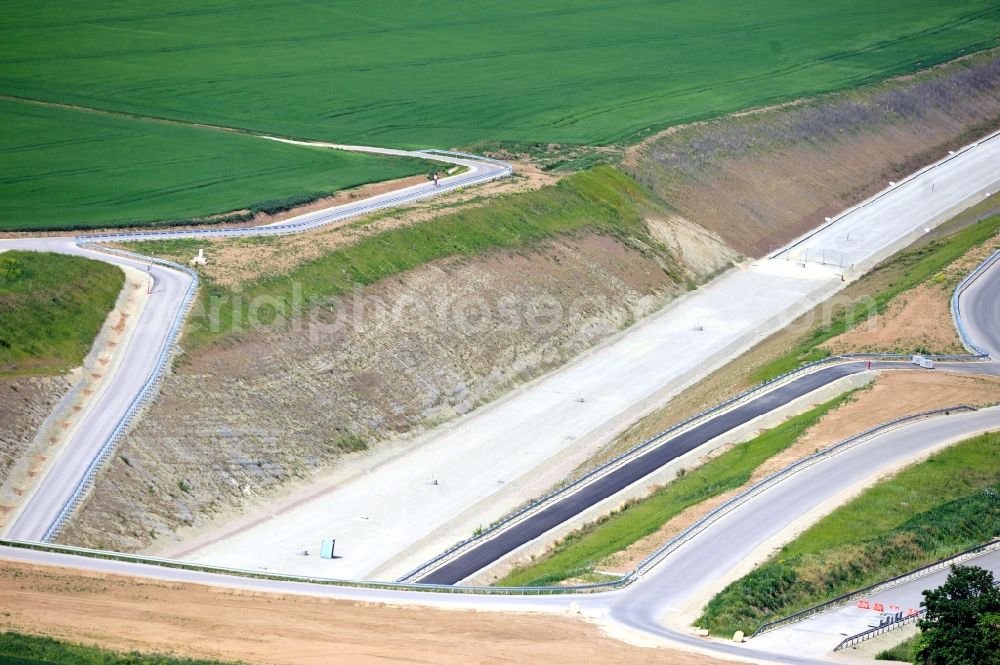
[(71, 169), (401, 74), (20, 649), (52, 307), (576, 555), (405, 73), (926, 512)]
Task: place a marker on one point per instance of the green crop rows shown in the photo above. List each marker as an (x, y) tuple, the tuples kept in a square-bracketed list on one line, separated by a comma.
[(400, 74), (70, 169), (412, 73)]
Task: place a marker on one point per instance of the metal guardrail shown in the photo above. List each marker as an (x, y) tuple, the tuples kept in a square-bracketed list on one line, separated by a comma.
[(504, 171), (305, 579), (644, 447), (654, 558), (147, 392), (644, 566), (621, 582), (878, 630), (142, 397), (851, 596), (635, 451)]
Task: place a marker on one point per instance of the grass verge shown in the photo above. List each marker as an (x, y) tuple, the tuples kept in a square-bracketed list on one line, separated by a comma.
[(602, 199), (577, 554), (904, 652), (20, 649), (926, 512), (53, 306), (911, 267)]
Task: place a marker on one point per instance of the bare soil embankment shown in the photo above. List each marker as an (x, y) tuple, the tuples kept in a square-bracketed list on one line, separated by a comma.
[(190, 620), (25, 403), (761, 179), (919, 320), (243, 420)]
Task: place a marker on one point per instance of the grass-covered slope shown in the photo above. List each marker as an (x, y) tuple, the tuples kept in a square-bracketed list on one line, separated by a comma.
[(577, 554), (926, 512), (51, 308), (602, 199), (401, 72), (64, 168), (20, 649)]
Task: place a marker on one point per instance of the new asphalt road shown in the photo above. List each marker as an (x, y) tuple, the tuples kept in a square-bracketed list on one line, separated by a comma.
[(389, 517), (670, 597), (667, 598), (39, 508), (558, 512)]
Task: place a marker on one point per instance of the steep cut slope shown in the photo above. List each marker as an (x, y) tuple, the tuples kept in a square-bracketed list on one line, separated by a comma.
[(759, 180), (512, 290)]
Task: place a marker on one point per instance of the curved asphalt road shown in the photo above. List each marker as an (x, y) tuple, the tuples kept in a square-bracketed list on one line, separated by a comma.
[(980, 305), (38, 509), (687, 578), (681, 582)]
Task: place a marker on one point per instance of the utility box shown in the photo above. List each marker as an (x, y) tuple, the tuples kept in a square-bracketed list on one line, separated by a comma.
[(326, 548), (920, 361)]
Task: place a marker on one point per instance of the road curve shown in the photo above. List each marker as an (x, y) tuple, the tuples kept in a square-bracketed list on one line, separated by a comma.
[(687, 578), (37, 514), (980, 305), (670, 588), (39, 508)]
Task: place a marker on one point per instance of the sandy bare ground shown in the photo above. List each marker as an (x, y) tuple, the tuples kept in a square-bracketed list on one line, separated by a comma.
[(197, 621), (893, 395), (918, 320)]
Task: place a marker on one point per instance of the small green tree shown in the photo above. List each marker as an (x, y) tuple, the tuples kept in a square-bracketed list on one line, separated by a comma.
[(961, 625), (10, 270)]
